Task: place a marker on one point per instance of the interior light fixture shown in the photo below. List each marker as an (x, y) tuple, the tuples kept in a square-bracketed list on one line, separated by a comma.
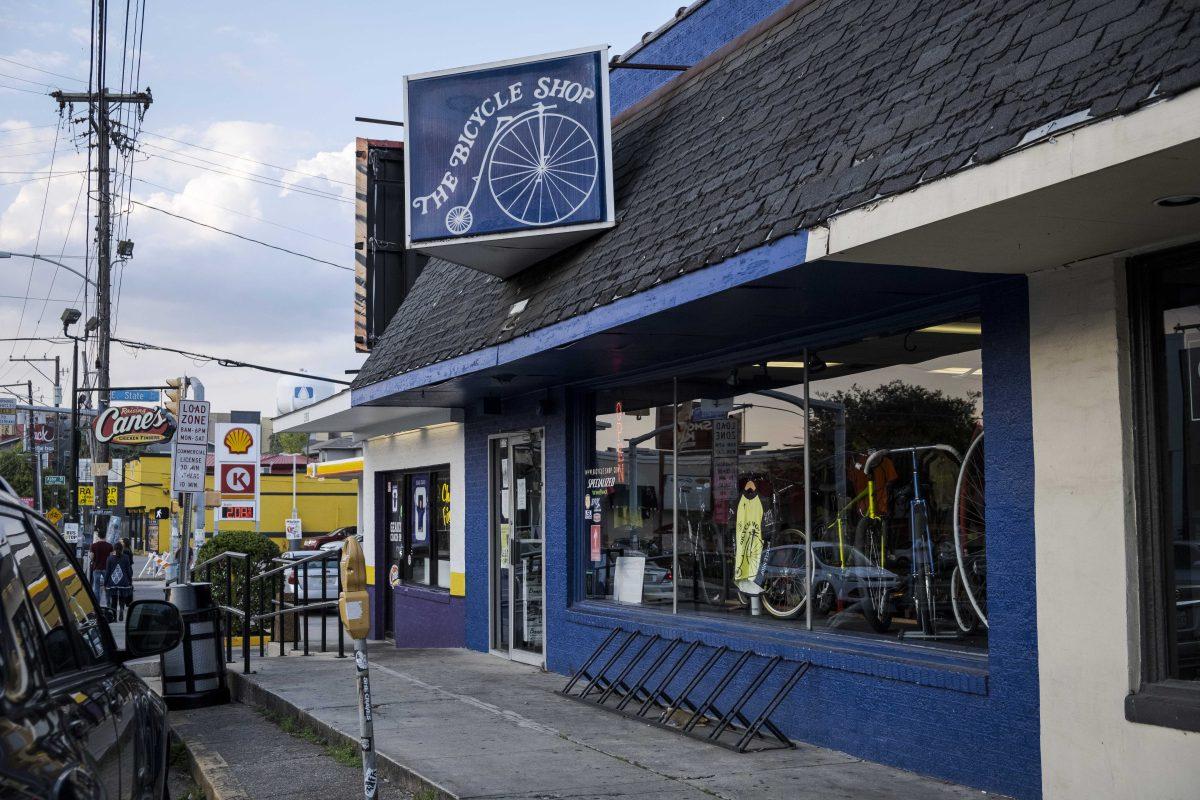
[(966, 328), (798, 364), (1177, 200), (975, 371)]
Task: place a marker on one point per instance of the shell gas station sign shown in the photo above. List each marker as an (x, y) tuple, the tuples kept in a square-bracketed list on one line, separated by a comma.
[(236, 467)]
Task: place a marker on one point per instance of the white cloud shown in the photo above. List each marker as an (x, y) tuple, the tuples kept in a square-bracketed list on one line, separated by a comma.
[(194, 288)]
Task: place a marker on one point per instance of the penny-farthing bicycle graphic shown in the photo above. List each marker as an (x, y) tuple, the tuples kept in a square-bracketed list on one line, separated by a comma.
[(541, 166)]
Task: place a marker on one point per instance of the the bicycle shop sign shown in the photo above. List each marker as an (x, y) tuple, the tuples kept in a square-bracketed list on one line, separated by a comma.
[(507, 162), (134, 425)]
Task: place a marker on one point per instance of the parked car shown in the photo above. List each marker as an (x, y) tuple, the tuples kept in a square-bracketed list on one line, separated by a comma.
[(322, 571), (77, 723), (336, 535), (832, 583)]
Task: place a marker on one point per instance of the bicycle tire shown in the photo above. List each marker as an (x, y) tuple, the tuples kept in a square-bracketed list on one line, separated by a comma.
[(786, 596), (870, 537), (969, 521), (964, 615)]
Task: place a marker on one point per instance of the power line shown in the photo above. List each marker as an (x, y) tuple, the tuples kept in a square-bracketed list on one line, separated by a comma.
[(246, 158), (28, 128), (39, 69), (19, 89), (44, 177), (223, 169), (224, 362), (243, 214), (240, 236)]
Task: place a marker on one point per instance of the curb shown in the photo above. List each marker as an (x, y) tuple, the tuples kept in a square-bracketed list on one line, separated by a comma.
[(250, 693), (210, 771)]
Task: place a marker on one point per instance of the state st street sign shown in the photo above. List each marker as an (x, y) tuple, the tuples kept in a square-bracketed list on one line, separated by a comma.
[(506, 163)]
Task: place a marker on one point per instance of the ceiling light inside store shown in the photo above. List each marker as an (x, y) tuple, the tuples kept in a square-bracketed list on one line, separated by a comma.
[(797, 364), (1177, 200), (968, 328), (958, 371)]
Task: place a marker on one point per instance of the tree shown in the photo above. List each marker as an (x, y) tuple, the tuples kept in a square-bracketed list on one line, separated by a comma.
[(288, 443), (898, 414), (16, 469)]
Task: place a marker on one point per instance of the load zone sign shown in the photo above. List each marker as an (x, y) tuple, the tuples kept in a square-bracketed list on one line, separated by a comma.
[(509, 150), (238, 479)]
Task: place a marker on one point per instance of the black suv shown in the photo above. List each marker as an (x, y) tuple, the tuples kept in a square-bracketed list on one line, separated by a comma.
[(77, 724)]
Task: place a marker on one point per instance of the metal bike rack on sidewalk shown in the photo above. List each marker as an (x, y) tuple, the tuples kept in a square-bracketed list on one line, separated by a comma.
[(705, 720)]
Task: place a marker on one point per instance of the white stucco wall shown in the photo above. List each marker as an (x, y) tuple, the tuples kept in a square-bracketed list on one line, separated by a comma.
[(424, 447), (1086, 557)]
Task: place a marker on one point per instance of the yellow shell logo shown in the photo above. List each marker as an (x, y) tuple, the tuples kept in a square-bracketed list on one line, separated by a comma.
[(238, 441)]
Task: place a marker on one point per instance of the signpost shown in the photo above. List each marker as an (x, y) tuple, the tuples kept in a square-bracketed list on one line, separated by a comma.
[(55, 516), (8, 411), (188, 456), (353, 603), (293, 528), (509, 162), (56, 480)]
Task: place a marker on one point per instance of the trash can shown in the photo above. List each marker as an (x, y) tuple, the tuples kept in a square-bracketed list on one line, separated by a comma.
[(193, 674)]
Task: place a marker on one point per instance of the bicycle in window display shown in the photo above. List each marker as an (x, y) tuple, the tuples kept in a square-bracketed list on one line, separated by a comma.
[(968, 584)]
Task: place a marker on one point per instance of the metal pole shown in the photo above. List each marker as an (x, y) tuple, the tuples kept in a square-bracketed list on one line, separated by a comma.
[(675, 500), (37, 457), (185, 543), (808, 552), (74, 478), (104, 266), (246, 616), (366, 726)]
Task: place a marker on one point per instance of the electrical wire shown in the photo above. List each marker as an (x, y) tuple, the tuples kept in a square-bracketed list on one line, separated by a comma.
[(253, 177), (243, 214), (221, 361), (42, 178), (246, 158), (39, 69), (240, 236), (19, 89)]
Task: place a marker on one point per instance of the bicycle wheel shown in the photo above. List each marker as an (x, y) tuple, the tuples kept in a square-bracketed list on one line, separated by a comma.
[(543, 168), (870, 537), (784, 593), (970, 541), (964, 614)]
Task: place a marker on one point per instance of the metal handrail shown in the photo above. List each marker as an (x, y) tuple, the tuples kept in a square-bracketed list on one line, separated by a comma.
[(265, 584)]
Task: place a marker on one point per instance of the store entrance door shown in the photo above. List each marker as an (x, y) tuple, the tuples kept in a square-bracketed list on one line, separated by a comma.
[(518, 547), (393, 548)]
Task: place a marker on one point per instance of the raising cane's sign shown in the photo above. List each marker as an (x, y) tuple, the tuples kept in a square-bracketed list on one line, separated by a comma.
[(134, 425)]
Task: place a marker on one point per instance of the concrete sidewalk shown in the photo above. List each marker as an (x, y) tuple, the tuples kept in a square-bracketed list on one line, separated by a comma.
[(469, 725)]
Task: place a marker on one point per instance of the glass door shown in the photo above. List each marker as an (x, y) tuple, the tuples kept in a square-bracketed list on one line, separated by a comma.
[(518, 547)]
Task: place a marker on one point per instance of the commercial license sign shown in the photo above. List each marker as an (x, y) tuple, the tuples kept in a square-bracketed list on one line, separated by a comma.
[(510, 150), (190, 451)]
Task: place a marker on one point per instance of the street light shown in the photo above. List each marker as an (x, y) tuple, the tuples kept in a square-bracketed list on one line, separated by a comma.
[(69, 317), (7, 254)]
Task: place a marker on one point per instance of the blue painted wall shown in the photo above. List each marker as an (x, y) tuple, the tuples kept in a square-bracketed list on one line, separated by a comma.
[(705, 30), (965, 718)]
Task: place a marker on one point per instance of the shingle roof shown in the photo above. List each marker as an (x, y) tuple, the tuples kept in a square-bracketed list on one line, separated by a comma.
[(823, 107)]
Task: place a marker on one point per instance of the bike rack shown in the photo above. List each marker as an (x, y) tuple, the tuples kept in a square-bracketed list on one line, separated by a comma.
[(706, 721)]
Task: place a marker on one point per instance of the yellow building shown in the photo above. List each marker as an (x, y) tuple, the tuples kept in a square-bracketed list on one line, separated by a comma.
[(323, 505)]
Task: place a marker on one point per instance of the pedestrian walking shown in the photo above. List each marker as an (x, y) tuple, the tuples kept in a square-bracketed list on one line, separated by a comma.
[(119, 579), (100, 551)]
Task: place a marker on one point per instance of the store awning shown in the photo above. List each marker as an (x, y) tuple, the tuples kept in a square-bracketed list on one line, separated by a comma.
[(336, 415)]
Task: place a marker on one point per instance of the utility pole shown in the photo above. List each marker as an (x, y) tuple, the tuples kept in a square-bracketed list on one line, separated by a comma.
[(98, 105), (37, 457)]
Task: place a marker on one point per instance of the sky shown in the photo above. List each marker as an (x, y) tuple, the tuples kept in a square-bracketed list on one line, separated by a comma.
[(256, 84)]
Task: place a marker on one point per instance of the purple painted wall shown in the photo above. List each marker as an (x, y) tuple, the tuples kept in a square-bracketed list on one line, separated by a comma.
[(428, 618)]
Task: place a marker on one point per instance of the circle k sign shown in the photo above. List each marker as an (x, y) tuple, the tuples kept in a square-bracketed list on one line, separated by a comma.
[(237, 478)]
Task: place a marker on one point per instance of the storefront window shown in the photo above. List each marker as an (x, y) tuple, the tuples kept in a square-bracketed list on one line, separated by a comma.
[(1177, 308), (730, 480)]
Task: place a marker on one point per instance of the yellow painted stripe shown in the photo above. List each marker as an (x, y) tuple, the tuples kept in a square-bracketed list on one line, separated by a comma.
[(458, 584), (370, 575)]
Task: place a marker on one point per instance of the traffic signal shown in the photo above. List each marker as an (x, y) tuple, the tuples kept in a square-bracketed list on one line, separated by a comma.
[(175, 394)]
